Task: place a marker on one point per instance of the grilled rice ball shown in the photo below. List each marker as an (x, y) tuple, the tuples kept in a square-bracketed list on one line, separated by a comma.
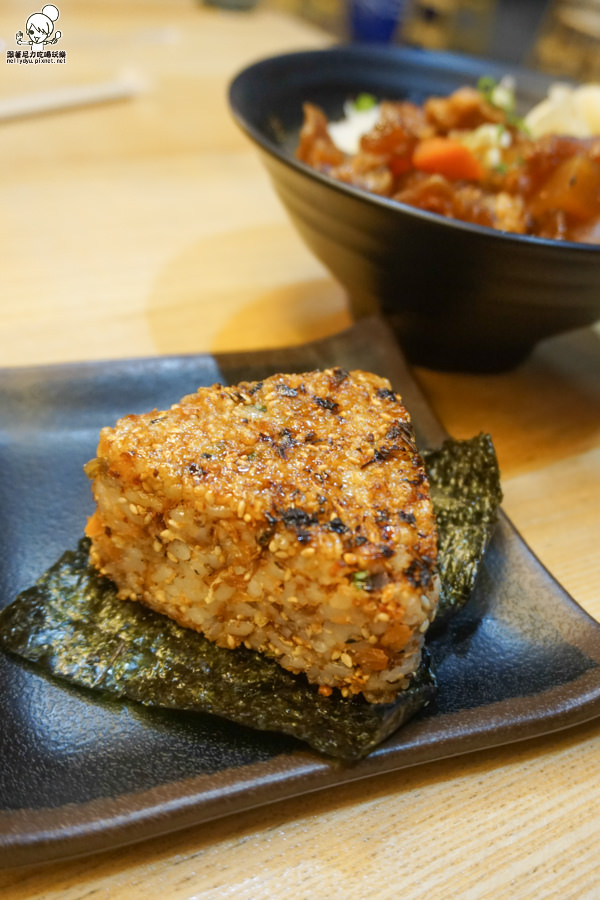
[(290, 515)]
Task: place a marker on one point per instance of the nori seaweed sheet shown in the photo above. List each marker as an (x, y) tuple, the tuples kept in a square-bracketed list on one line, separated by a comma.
[(72, 625), (465, 491)]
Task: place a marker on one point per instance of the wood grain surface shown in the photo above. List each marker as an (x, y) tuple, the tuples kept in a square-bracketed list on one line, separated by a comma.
[(146, 226)]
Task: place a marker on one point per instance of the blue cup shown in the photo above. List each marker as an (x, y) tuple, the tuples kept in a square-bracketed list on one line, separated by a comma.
[(374, 21)]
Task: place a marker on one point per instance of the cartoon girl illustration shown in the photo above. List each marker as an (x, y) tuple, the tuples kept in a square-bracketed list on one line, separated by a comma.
[(39, 27)]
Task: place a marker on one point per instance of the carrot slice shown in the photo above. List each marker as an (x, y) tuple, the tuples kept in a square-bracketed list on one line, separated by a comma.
[(448, 157)]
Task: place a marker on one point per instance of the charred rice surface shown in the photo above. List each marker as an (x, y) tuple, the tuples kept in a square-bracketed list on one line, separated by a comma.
[(290, 515)]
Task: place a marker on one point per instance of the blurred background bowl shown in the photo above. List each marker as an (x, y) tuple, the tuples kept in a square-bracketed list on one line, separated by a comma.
[(459, 296)]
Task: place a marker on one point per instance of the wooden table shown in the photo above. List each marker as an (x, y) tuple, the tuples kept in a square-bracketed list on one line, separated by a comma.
[(147, 226)]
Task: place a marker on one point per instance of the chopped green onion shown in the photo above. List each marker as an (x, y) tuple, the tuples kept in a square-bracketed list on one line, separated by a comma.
[(364, 102), (502, 96), (359, 579), (485, 86)]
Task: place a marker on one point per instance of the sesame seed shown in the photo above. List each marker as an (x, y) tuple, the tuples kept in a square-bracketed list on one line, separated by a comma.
[(347, 660)]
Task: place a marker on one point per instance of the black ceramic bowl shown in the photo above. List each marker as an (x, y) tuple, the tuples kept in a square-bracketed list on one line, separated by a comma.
[(459, 296)]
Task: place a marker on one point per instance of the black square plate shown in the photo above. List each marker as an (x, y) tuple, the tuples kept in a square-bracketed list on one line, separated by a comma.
[(81, 774)]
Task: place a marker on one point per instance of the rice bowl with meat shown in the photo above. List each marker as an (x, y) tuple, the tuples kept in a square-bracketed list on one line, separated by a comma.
[(469, 157)]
